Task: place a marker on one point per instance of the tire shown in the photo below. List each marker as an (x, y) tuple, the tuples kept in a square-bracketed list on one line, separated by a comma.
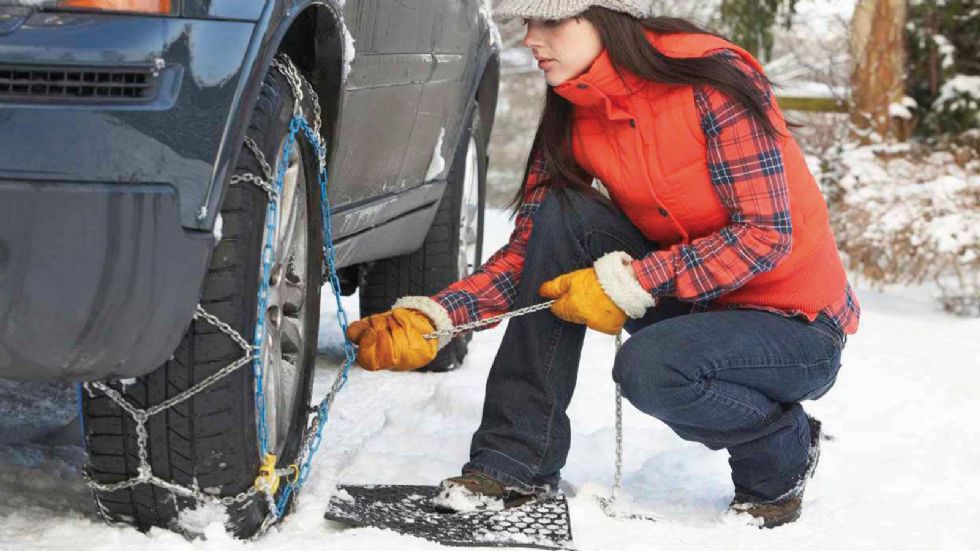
[(436, 264), (211, 439)]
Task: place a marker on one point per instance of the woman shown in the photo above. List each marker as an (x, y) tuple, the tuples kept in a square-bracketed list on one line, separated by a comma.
[(714, 253)]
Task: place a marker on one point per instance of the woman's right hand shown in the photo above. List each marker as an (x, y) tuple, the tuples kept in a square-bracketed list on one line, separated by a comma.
[(393, 340)]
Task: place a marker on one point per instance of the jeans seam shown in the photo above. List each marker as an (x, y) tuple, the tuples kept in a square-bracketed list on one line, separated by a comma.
[(546, 443), (596, 230), (822, 389), (706, 390), (582, 252), (509, 458), (833, 337), (805, 365)]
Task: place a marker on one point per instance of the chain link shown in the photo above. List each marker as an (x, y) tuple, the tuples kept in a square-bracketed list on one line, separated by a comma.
[(259, 156), (257, 181), (141, 416), (288, 70), (618, 477), (487, 321), (610, 506)]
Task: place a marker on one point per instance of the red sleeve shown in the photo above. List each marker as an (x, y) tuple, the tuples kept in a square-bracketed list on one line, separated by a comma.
[(492, 288)]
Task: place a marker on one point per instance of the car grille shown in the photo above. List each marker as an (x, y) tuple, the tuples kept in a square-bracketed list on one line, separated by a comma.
[(76, 85)]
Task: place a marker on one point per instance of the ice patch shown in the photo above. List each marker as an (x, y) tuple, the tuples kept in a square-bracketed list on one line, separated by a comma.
[(218, 225), (349, 50), (437, 164), (124, 384), (486, 11)]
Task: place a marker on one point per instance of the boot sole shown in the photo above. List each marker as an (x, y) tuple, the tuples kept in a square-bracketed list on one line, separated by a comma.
[(781, 520)]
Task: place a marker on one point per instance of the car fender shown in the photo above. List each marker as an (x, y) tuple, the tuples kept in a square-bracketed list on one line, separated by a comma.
[(270, 29)]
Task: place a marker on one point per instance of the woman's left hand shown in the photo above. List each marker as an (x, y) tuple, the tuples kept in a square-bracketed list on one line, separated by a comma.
[(579, 298)]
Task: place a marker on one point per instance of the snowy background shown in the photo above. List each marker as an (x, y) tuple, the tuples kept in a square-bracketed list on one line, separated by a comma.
[(901, 473)]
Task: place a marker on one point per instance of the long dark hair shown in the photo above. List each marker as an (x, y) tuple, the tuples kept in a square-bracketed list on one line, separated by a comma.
[(628, 48)]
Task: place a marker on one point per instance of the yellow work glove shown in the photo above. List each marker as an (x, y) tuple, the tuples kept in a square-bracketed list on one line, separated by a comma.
[(580, 299), (393, 340)]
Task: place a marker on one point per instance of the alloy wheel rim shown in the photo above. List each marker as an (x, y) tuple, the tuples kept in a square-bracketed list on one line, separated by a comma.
[(469, 211), (284, 341)]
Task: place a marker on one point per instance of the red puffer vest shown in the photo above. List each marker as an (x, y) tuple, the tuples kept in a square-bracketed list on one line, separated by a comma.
[(648, 149)]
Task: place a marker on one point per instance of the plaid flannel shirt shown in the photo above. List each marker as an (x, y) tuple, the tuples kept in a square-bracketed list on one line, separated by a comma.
[(758, 236)]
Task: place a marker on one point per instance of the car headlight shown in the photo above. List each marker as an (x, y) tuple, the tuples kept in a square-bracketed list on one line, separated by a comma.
[(131, 6)]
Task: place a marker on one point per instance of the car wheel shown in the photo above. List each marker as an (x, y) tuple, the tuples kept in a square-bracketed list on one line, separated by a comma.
[(211, 441), (452, 249)]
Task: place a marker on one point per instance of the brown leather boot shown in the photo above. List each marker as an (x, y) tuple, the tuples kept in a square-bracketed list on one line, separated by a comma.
[(788, 507), (477, 491)]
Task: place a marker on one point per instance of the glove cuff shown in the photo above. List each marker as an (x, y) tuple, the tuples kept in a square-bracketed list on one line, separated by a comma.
[(438, 315), (615, 273)]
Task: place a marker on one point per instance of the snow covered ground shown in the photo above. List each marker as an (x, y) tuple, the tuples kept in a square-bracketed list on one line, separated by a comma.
[(900, 475)]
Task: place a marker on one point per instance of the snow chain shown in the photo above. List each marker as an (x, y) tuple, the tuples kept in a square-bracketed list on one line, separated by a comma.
[(618, 477), (269, 479), (610, 506), (480, 323)]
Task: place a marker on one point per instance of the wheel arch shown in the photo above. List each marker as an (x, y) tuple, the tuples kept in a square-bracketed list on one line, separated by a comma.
[(315, 39), (487, 90), (313, 35)]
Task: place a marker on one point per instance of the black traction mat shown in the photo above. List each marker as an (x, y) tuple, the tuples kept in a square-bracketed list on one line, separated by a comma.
[(540, 524)]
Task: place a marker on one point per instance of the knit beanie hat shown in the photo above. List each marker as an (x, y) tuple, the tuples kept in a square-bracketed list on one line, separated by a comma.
[(560, 9)]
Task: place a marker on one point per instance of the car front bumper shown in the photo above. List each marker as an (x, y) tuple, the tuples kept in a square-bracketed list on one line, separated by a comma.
[(106, 203), (98, 280)]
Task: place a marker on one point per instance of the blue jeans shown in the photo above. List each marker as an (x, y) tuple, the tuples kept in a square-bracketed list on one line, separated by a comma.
[(728, 379)]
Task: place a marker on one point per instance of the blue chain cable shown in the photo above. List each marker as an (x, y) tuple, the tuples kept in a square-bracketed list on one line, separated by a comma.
[(271, 220), (321, 415)]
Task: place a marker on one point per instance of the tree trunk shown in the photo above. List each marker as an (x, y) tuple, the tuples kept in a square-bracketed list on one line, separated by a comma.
[(878, 73)]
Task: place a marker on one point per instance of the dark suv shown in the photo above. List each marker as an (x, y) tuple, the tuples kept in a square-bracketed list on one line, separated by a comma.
[(135, 139)]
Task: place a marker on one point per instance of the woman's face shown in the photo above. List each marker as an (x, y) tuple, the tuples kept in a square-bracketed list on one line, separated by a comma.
[(564, 48)]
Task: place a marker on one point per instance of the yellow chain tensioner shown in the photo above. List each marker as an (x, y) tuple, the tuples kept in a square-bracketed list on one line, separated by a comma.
[(268, 479)]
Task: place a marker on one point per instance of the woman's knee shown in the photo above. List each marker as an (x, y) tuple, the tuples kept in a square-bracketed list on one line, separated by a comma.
[(572, 212), (557, 206), (548, 218), (651, 377)]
